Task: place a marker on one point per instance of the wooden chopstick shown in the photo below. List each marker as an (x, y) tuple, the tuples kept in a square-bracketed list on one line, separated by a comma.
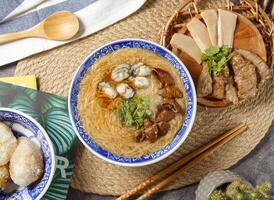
[(189, 165), (180, 162)]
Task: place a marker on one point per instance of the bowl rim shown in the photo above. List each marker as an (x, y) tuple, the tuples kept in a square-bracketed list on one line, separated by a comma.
[(187, 131), (52, 152)]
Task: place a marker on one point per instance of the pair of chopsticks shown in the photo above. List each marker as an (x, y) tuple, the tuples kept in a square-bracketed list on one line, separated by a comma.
[(170, 173)]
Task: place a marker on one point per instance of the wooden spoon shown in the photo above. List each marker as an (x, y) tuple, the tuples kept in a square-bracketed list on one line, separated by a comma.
[(58, 26)]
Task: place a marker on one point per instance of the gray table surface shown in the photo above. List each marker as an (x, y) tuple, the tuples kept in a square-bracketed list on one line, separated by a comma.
[(257, 167)]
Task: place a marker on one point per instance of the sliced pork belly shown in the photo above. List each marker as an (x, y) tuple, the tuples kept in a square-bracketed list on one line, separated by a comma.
[(230, 90), (244, 76), (262, 69), (187, 45), (204, 85), (218, 87), (226, 27), (210, 17), (199, 33)]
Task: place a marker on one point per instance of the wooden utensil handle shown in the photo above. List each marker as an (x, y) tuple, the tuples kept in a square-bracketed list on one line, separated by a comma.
[(12, 36)]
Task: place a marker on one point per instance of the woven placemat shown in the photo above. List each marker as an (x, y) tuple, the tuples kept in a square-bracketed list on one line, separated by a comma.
[(55, 69)]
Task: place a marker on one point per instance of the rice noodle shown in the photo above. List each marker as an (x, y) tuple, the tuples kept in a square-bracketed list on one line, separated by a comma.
[(103, 125)]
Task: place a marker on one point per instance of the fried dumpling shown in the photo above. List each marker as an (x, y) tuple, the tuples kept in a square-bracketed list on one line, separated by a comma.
[(26, 164), (8, 143)]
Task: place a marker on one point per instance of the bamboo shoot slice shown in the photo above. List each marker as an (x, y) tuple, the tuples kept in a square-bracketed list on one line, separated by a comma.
[(187, 45), (211, 19), (226, 27), (199, 33)]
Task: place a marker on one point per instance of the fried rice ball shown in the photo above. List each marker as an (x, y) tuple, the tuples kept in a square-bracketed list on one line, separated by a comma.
[(26, 164), (4, 176), (8, 143)]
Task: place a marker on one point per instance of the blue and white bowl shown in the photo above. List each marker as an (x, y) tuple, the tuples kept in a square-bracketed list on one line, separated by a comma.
[(90, 144), (23, 125)]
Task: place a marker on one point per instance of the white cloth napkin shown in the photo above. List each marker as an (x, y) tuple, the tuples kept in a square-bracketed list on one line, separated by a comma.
[(94, 15)]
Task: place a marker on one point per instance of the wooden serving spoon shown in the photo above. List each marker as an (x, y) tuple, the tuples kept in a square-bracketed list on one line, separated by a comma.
[(58, 26)]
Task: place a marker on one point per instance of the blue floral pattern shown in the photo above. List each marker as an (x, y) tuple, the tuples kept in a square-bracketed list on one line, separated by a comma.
[(32, 192), (190, 111)]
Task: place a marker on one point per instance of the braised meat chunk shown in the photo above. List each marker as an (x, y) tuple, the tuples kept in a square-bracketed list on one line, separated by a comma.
[(165, 115), (170, 104), (171, 92), (244, 76), (163, 76)]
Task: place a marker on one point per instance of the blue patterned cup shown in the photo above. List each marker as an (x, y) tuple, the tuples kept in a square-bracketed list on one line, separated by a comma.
[(182, 134), (23, 125)]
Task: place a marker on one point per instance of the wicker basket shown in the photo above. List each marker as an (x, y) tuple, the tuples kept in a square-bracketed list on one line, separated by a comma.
[(247, 8)]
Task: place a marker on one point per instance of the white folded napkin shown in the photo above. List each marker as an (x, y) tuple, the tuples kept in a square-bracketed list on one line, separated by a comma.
[(94, 15)]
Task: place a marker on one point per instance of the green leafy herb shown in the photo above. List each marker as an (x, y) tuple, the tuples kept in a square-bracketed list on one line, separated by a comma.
[(133, 112), (216, 57)]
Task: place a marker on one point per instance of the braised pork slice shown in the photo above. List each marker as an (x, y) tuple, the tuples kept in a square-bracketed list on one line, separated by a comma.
[(262, 69), (170, 92), (218, 87), (204, 85), (230, 90), (163, 76), (244, 76)]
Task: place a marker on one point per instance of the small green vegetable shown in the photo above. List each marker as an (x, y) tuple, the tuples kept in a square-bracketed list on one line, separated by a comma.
[(216, 57), (133, 112), (239, 191)]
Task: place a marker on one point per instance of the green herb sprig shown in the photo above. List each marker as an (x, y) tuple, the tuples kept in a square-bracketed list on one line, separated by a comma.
[(216, 57), (133, 112)]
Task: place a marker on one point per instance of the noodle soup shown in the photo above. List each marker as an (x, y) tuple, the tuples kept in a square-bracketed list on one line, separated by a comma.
[(132, 102)]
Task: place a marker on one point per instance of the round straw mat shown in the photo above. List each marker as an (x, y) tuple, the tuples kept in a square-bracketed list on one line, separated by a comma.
[(55, 69)]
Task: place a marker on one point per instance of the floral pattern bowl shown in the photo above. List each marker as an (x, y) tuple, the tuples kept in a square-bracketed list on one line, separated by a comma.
[(90, 144), (23, 125)]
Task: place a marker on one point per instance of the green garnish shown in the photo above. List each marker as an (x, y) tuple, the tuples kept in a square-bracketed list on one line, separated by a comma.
[(133, 112), (216, 57)]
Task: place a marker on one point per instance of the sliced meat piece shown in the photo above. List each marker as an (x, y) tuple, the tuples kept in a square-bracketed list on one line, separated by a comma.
[(218, 87), (163, 128), (151, 133), (244, 76), (165, 115), (231, 94), (163, 76), (262, 69), (170, 104), (171, 92), (204, 85), (230, 90)]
